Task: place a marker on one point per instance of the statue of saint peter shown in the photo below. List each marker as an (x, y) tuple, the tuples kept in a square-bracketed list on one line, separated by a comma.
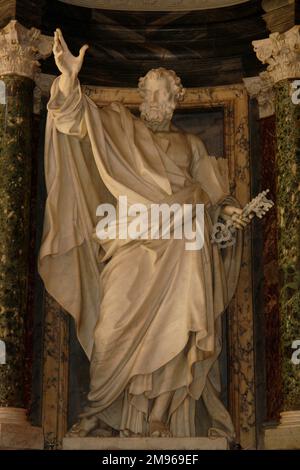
[(147, 311)]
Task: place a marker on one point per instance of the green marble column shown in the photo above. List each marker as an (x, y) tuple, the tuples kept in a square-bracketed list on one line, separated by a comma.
[(288, 200), (280, 52), (16, 100), (20, 52)]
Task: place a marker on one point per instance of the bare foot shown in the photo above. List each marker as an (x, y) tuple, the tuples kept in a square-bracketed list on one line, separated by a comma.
[(159, 429), (83, 427), (91, 426)]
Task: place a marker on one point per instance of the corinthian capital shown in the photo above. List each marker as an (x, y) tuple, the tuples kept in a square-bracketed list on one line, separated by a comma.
[(261, 88), (21, 49), (281, 51)]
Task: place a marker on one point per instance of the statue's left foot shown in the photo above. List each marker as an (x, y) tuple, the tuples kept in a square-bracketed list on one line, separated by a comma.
[(159, 429)]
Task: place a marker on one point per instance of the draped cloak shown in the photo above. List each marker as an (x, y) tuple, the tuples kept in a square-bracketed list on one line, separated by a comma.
[(147, 312)]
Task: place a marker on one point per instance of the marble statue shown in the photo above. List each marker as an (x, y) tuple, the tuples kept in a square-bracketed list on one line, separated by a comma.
[(147, 312)]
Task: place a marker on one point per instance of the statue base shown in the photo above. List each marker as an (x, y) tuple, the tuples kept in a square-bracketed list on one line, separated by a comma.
[(286, 435), (145, 443), (16, 432)]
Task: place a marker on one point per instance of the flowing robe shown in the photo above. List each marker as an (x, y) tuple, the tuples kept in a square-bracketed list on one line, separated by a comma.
[(147, 311)]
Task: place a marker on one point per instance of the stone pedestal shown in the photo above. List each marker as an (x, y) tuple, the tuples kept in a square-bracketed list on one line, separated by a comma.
[(16, 432), (286, 435), (144, 443)]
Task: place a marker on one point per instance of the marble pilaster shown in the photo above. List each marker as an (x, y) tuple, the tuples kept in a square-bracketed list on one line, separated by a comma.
[(261, 88)]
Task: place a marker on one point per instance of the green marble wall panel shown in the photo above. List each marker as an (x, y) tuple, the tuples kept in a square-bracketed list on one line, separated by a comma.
[(15, 171), (288, 203)]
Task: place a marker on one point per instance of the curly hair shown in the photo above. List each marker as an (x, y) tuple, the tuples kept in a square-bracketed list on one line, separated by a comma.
[(170, 75)]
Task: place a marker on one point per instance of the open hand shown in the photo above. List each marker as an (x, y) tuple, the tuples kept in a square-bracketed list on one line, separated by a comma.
[(66, 62)]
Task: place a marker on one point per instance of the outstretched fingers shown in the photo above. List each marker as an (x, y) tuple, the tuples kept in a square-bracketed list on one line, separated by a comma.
[(83, 50), (59, 45), (56, 44), (61, 39)]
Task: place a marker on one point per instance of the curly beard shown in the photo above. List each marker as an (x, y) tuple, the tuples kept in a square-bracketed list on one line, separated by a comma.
[(156, 114)]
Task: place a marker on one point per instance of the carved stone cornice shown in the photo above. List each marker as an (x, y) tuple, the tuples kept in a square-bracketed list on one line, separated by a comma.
[(282, 54), (21, 49), (154, 5), (261, 88)]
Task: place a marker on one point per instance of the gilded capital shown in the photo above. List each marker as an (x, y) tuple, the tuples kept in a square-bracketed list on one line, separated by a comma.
[(21, 49), (281, 51), (261, 88)]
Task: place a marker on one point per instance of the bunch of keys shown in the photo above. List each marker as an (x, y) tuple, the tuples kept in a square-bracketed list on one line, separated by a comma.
[(223, 233)]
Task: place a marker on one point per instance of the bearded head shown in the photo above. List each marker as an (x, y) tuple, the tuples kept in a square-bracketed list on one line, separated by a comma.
[(161, 90)]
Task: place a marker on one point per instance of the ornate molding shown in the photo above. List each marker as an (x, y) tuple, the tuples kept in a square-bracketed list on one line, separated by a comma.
[(282, 54), (21, 49), (271, 5), (154, 5), (286, 435), (290, 418), (261, 88)]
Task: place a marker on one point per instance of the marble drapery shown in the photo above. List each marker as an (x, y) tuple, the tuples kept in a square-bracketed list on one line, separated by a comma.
[(128, 323)]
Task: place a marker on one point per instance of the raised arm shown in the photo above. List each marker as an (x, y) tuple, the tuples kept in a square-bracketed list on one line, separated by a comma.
[(67, 63), (66, 104)]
